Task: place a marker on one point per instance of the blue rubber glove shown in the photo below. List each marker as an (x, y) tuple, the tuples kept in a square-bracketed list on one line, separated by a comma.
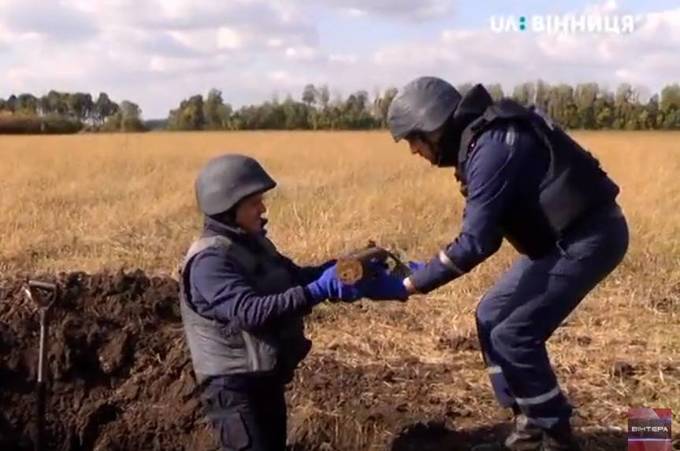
[(384, 287), (328, 286)]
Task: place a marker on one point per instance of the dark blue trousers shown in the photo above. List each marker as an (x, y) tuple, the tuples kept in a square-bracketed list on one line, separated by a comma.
[(247, 413), (516, 317)]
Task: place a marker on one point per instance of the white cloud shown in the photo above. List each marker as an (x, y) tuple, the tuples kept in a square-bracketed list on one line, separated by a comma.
[(343, 58), (641, 57), (280, 76), (56, 20), (128, 46), (157, 52), (274, 43), (606, 7), (301, 53), (229, 39), (356, 12), (402, 9)]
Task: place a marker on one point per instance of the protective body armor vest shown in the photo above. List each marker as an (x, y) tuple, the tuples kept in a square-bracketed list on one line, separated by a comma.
[(574, 184), (220, 349)]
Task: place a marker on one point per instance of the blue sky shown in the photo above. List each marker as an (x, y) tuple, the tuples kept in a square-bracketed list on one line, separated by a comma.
[(157, 52)]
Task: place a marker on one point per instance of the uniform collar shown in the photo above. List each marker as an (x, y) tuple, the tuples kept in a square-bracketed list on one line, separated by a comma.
[(212, 226), (470, 112), (471, 107)]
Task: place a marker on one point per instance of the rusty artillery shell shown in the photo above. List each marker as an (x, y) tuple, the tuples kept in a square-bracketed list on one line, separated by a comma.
[(349, 270), (354, 267)]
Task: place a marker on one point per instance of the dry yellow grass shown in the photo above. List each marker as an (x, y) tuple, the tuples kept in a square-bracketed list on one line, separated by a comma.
[(106, 201)]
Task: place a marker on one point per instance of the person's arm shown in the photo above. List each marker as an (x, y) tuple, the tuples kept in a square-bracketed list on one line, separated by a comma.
[(307, 274), (231, 298), (490, 171)]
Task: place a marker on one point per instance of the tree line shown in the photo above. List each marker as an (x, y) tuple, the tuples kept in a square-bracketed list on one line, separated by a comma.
[(585, 106), (79, 110)]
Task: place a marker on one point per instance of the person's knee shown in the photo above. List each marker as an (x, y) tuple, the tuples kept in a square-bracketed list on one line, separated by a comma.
[(506, 342), (484, 315)]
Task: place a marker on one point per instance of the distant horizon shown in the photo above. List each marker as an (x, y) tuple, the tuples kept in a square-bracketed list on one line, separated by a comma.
[(644, 95)]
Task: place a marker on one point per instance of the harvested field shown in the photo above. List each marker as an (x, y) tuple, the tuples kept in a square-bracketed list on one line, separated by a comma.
[(108, 217)]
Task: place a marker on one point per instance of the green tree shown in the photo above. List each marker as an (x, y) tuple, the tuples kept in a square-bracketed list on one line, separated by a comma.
[(670, 98), (464, 88), (103, 108), (652, 109), (189, 115), (382, 105), (524, 93), (584, 99), (624, 107), (80, 105), (355, 114), (604, 110), (560, 105), (670, 107), (585, 105), (11, 103), (542, 95), (496, 91), (57, 102), (131, 116), (44, 105), (309, 95), (27, 104), (324, 97), (214, 111)]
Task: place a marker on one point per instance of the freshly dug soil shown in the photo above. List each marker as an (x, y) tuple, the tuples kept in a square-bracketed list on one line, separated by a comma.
[(120, 379), (119, 376)]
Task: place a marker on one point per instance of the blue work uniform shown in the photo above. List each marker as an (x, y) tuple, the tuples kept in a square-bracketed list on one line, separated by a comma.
[(520, 312), (246, 404)]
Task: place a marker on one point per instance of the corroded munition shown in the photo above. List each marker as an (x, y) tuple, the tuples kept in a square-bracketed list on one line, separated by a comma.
[(358, 265)]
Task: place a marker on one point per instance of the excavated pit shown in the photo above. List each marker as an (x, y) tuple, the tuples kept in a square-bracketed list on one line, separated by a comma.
[(120, 379)]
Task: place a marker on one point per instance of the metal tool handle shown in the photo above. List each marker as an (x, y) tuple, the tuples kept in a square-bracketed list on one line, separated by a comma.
[(40, 416), (42, 355), (43, 285), (43, 294), (34, 292)]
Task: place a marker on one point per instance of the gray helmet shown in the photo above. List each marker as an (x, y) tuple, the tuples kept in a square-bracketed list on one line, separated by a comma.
[(423, 105), (227, 179)]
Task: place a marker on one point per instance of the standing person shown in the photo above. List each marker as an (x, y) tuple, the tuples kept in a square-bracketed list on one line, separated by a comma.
[(527, 181), (242, 305)]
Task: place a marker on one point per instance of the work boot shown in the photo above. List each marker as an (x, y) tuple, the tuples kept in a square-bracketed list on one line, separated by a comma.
[(560, 438), (525, 436)]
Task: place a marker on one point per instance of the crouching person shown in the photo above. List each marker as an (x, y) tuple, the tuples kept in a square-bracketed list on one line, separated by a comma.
[(242, 305)]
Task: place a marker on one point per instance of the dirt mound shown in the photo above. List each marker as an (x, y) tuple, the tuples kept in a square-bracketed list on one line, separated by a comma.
[(120, 379), (119, 374)]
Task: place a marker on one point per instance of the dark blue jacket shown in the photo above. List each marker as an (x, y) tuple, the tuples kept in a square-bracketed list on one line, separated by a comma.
[(220, 291), (502, 173)]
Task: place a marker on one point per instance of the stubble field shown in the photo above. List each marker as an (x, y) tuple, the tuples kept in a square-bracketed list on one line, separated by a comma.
[(79, 209)]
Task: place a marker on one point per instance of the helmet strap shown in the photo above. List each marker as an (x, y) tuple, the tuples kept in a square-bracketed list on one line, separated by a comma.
[(446, 149)]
